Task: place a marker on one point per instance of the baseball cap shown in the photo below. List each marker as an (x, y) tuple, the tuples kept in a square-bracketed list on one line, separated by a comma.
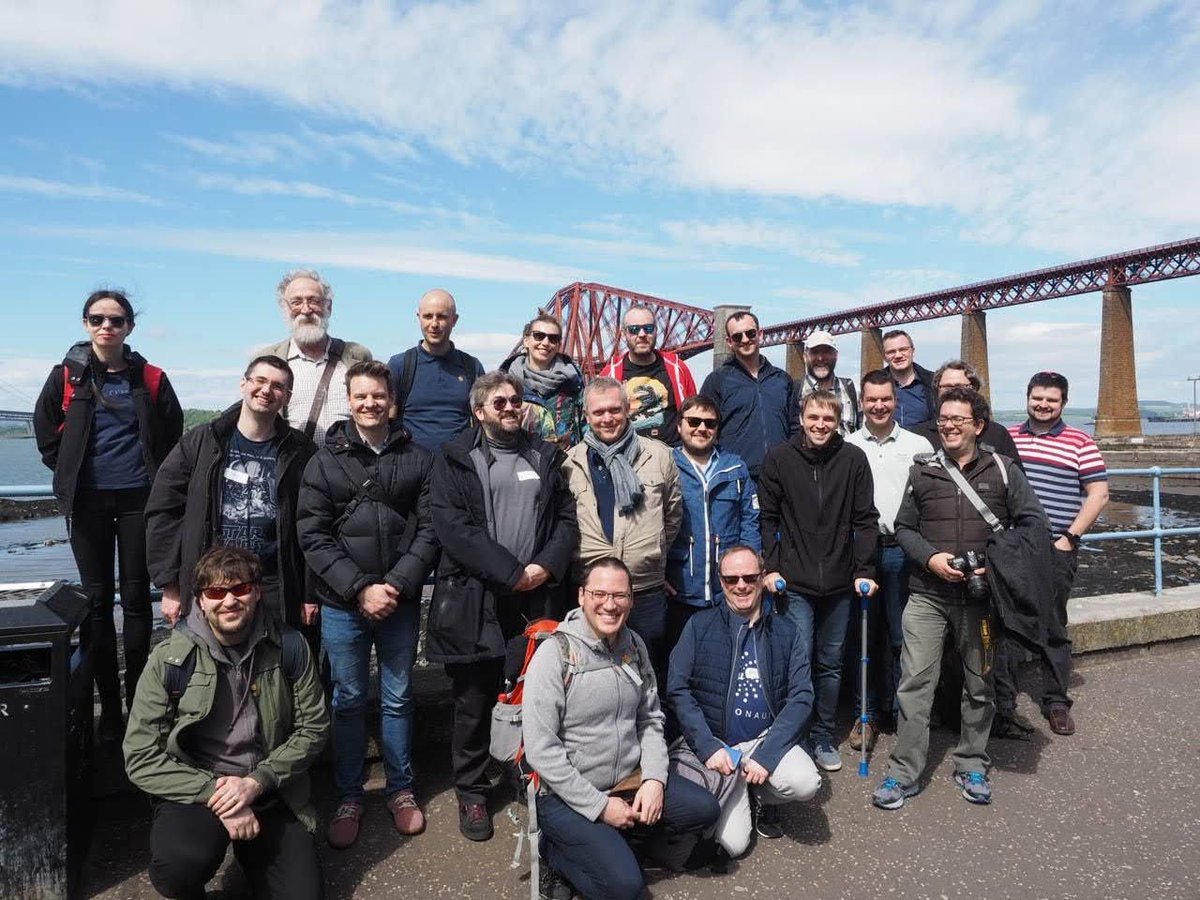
[(820, 339)]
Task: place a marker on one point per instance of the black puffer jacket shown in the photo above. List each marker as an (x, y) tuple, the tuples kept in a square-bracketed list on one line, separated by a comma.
[(183, 515), (465, 624), (350, 540), (159, 424), (817, 515)]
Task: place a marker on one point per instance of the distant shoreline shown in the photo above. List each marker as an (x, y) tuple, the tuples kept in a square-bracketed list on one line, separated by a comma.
[(18, 510)]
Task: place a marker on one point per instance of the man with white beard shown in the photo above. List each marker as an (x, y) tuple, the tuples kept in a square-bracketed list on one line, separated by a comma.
[(316, 359)]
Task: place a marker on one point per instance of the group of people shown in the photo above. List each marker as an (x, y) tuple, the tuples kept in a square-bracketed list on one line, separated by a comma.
[(701, 548)]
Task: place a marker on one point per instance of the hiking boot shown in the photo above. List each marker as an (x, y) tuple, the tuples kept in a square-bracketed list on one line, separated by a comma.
[(552, 886), (1059, 717), (474, 821), (343, 829), (406, 815), (856, 735), (766, 820), (826, 756), (891, 794), (975, 786), (1011, 727)]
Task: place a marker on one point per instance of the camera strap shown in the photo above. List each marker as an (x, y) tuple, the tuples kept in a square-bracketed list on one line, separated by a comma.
[(969, 492)]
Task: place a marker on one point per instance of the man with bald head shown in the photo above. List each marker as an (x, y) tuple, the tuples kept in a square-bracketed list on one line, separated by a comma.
[(433, 380)]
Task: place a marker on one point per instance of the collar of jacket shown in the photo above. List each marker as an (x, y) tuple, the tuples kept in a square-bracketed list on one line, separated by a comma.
[(765, 367), (537, 452), (816, 455), (186, 638), (722, 471), (343, 433), (79, 358)]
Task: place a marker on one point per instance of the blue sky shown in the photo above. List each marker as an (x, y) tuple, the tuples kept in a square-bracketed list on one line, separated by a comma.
[(799, 157)]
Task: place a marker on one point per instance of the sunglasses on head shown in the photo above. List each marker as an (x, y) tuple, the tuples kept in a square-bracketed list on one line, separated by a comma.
[(750, 335), (498, 403), (732, 580), (649, 328), (241, 590), (539, 336), (697, 421), (96, 320)]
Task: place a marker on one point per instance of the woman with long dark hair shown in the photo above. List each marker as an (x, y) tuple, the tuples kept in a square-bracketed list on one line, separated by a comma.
[(104, 421)]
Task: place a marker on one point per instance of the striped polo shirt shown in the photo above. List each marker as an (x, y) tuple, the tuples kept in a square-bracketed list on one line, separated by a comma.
[(1058, 464)]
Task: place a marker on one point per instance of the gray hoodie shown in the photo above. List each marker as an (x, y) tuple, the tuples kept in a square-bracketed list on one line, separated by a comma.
[(584, 737)]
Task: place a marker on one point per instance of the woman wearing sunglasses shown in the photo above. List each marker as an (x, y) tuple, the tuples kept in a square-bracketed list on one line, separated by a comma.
[(553, 384), (104, 421)]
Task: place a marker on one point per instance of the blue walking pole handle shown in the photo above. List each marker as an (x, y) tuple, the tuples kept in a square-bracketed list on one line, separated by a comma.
[(780, 585)]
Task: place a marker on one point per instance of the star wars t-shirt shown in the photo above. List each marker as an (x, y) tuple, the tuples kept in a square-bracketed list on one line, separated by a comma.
[(249, 510), (749, 715), (652, 409)]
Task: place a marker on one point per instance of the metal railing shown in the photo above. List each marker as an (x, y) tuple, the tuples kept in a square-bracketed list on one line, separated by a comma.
[(1156, 474)]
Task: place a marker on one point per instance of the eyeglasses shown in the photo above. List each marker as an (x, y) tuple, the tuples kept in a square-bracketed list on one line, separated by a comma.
[(277, 387), (498, 403), (605, 596), (539, 336), (299, 302), (956, 421), (633, 330), (749, 336), (96, 320), (898, 351), (697, 421), (240, 590), (732, 580)]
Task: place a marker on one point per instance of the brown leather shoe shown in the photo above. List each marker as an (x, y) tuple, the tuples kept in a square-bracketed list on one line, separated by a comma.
[(1059, 717), (856, 735), (406, 815), (343, 829)]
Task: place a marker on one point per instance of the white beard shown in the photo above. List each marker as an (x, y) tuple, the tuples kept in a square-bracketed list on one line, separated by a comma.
[(306, 334)]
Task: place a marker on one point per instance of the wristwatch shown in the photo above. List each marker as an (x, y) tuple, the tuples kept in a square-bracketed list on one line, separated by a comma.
[(1072, 539)]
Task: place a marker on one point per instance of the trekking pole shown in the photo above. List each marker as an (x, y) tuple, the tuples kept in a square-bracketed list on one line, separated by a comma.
[(863, 767)]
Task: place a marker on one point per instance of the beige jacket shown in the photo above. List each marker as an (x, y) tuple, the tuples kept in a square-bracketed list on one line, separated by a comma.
[(640, 540)]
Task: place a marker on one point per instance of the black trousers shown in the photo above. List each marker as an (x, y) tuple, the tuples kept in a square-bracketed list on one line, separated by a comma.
[(474, 687), (188, 843), (101, 522)]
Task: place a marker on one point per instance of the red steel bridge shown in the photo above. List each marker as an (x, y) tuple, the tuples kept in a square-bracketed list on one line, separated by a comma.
[(591, 316)]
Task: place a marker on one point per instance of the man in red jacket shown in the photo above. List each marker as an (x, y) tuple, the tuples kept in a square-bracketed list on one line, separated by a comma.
[(656, 381)]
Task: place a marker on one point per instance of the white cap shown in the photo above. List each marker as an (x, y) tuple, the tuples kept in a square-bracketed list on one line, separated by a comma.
[(820, 339)]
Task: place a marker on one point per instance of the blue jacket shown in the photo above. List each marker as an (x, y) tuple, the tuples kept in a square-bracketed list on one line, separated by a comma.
[(720, 516), (700, 681), (756, 413)]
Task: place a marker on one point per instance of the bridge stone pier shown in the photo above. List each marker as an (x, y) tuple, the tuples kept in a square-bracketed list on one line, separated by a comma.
[(1117, 413), (871, 356), (794, 360), (720, 313), (974, 347)]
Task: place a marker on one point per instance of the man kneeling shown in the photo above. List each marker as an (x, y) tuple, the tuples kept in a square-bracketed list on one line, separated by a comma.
[(739, 684), (593, 724), (227, 718)]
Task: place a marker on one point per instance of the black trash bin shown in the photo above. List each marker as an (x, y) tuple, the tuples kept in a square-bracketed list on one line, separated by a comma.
[(45, 741)]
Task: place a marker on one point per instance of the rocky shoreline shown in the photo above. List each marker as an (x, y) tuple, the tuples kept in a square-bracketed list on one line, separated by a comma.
[(19, 510)]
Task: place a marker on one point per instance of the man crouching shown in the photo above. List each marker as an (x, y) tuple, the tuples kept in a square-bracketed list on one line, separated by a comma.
[(592, 726), (227, 719)]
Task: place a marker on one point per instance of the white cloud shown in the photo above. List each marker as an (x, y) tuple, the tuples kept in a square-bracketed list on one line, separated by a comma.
[(306, 190), (758, 234), (304, 145), (59, 190)]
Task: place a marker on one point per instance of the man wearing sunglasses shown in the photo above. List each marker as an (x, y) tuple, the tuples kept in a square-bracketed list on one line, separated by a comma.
[(235, 481), (720, 509), (227, 719), (506, 522), (656, 381), (757, 399), (740, 688)]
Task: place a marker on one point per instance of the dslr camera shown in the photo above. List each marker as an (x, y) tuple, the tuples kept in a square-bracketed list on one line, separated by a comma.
[(977, 586)]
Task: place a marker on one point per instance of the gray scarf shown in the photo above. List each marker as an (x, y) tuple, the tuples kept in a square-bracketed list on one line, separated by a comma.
[(549, 382), (619, 458)]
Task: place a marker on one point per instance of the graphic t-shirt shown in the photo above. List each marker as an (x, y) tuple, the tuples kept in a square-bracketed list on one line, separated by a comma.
[(652, 407), (749, 715), (114, 459), (249, 510)]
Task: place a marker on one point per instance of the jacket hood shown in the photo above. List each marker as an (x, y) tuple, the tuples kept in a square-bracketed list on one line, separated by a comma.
[(816, 455), (577, 626), (197, 628), (80, 356), (342, 433)]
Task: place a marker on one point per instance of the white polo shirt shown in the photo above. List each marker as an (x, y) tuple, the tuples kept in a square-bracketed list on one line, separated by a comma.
[(890, 460)]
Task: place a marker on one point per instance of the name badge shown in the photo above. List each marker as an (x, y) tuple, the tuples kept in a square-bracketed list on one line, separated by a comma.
[(238, 476), (632, 673), (527, 475), (752, 673)]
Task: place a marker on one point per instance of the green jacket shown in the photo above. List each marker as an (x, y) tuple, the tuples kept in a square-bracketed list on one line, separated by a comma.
[(292, 718)]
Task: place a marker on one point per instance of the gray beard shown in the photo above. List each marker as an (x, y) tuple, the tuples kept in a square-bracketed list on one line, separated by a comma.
[(307, 335)]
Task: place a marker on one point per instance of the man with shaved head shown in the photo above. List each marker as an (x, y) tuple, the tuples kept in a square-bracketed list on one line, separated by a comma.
[(432, 380)]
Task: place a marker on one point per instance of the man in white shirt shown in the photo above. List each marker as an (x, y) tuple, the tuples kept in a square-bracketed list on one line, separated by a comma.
[(890, 450)]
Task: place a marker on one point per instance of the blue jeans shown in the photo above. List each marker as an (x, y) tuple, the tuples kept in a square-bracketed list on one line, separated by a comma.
[(595, 858), (348, 636), (822, 623), (649, 619), (886, 609)]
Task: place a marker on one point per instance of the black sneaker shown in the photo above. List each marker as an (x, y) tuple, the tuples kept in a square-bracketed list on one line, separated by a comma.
[(766, 820), (552, 886), (474, 821), (1011, 727)]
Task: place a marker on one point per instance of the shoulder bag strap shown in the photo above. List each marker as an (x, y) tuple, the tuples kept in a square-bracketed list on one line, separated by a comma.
[(969, 492), (332, 358)]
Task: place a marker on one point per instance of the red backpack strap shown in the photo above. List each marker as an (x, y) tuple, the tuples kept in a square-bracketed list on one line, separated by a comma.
[(152, 377), (68, 394)]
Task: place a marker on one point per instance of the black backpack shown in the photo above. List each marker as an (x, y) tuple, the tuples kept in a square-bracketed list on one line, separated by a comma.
[(408, 373)]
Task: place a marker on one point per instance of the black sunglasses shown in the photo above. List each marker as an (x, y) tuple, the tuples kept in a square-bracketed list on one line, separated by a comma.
[(697, 421), (640, 329), (539, 336), (498, 403), (96, 320), (731, 580), (750, 335)]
